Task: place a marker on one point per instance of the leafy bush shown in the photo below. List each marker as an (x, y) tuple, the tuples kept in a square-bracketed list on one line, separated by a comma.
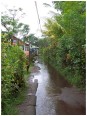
[(67, 34), (13, 65)]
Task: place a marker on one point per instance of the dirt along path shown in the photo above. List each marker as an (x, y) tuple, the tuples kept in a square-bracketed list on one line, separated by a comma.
[(28, 107)]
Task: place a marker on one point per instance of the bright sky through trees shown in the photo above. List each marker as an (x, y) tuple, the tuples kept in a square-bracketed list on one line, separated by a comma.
[(31, 14)]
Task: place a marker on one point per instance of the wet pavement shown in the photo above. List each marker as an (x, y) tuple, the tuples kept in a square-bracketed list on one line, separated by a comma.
[(28, 107), (55, 96)]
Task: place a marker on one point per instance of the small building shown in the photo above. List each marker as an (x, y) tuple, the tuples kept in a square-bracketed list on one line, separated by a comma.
[(26, 49), (16, 41), (24, 46), (34, 50)]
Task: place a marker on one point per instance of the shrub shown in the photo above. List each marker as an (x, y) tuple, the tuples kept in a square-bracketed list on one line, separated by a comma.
[(13, 63)]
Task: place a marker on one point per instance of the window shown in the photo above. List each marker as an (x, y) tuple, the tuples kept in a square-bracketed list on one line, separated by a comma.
[(14, 41), (26, 48)]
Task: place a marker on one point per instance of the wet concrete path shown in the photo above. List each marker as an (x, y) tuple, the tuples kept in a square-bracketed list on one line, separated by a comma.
[(55, 96)]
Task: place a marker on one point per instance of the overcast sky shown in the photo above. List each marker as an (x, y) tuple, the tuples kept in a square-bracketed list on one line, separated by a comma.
[(29, 8)]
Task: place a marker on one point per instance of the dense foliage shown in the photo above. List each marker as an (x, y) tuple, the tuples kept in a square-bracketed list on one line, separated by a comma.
[(66, 34), (12, 68)]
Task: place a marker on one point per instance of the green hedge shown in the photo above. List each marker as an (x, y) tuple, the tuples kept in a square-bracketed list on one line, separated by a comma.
[(13, 66), (73, 69)]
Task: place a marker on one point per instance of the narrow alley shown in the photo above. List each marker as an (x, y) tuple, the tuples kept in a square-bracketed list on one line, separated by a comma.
[(55, 96)]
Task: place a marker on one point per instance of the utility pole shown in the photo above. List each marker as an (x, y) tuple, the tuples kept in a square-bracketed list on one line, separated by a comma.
[(29, 54), (38, 15)]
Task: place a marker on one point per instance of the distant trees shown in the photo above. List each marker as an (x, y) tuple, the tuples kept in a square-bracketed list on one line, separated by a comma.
[(10, 21), (30, 38)]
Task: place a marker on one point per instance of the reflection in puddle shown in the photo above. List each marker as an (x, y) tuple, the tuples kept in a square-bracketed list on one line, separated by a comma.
[(53, 91)]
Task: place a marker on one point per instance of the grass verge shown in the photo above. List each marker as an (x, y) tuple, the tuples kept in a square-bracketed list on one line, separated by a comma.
[(11, 107)]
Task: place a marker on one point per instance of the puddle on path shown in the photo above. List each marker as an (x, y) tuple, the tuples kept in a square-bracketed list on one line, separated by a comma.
[(55, 96)]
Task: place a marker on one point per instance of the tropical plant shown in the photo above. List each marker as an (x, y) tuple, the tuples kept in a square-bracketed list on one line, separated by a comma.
[(66, 33)]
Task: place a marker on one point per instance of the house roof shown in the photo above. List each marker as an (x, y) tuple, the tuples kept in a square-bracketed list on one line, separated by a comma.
[(20, 42)]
